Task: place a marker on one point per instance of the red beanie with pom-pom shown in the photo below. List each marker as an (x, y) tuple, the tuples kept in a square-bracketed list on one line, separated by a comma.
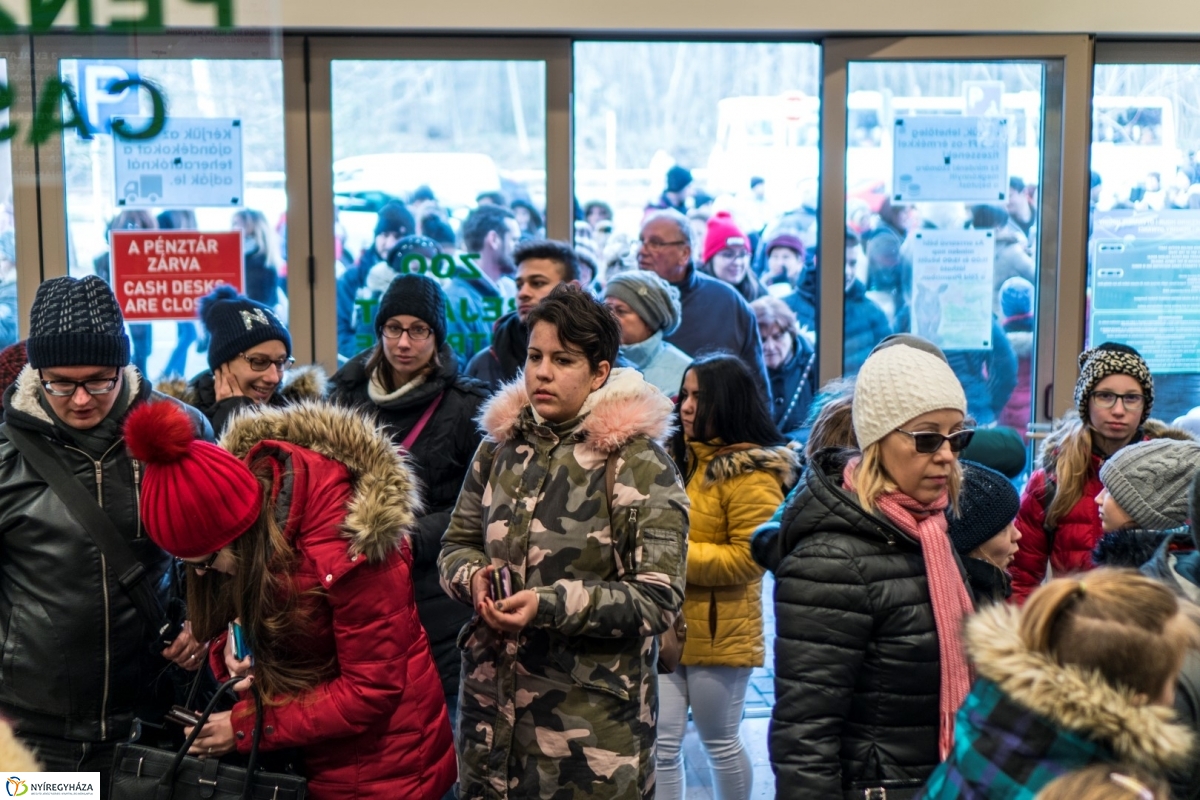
[(196, 497)]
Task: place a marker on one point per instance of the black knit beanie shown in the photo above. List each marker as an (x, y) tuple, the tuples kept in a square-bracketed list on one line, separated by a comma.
[(236, 323), (1112, 359), (987, 503), (76, 322), (417, 296)]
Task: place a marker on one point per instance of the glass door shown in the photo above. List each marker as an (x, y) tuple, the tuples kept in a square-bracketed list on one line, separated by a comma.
[(175, 181), (948, 218), (440, 139)]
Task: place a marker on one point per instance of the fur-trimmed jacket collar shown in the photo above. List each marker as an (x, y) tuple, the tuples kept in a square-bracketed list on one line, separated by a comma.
[(624, 407), (1071, 699), (385, 501), (729, 461)]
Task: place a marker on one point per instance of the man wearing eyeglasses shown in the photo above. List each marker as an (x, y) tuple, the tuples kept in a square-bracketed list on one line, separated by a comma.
[(715, 317), (249, 357), (80, 657)]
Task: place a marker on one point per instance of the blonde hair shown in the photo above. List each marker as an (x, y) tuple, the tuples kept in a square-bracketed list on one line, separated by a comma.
[(1067, 454), (871, 480), (1128, 628), (1106, 782)]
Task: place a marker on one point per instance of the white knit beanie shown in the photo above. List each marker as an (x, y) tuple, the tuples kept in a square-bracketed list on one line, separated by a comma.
[(897, 384)]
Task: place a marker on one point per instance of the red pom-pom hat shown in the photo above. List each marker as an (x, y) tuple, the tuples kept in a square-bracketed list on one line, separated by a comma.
[(196, 497)]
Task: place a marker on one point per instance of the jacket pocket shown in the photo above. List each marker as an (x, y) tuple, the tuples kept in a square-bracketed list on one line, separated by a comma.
[(34, 665), (610, 666), (662, 551)]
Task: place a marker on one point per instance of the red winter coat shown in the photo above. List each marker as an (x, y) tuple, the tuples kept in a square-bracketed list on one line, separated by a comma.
[(1076, 535), (379, 728)]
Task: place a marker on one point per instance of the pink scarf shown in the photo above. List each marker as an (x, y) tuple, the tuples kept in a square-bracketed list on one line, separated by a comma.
[(951, 602)]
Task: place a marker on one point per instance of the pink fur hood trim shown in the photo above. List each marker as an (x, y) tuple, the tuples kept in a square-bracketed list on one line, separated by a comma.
[(621, 409)]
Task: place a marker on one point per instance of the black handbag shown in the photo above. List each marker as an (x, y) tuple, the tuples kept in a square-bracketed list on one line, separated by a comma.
[(148, 773)]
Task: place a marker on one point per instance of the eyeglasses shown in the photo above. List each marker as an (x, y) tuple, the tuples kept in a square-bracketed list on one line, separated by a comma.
[(930, 441), (60, 388), (260, 363), (655, 244), (418, 333), (201, 567), (1132, 402)]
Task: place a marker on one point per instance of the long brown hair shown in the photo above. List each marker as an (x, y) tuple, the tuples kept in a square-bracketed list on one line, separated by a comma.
[(1119, 623), (1067, 454), (261, 594)]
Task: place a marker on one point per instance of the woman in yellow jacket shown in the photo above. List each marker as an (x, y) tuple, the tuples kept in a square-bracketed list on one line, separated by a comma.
[(737, 471)]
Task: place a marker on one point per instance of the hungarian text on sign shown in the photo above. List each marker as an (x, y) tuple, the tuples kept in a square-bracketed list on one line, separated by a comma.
[(161, 275)]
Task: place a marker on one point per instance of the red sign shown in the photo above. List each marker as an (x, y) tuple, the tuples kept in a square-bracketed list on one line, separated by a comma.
[(161, 275)]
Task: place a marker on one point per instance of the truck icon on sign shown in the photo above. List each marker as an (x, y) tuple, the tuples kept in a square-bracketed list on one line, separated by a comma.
[(146, 187)]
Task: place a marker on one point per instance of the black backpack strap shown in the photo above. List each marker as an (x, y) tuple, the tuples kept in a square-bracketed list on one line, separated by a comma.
[(81, 505)]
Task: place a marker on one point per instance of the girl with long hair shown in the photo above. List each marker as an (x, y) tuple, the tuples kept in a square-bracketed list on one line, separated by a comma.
[(869, 596), (1083, 674), (410, 382), (1058, 519), (568, 540), (295, 534), (737, 470), (260, 255)]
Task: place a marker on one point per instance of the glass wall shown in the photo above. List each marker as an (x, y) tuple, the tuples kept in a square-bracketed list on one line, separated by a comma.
[(1144, 247), (943, 166), (216, 166), (418, 145), (10, 321)]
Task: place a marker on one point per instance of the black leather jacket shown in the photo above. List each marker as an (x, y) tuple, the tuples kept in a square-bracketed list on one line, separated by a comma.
[(76, 658), (857, 673)]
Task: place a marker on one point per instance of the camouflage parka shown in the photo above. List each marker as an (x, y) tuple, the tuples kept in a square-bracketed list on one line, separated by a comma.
[(569, 706)]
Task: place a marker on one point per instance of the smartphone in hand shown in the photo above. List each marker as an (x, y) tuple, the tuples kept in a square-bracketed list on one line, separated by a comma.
[(501, 583), (238, 637)]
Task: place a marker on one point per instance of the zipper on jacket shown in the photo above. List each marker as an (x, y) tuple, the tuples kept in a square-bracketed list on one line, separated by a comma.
[(98, 467), (137, 497)]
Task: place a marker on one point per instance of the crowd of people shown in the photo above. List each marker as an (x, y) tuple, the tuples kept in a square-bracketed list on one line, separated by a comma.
[(519, 570)]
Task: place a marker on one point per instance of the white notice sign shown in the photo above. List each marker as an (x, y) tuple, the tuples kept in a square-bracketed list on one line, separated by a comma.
[(955, 158), (192, 163), (952, 288)]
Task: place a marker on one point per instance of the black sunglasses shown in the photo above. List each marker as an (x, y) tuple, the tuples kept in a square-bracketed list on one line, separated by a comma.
[(201, 567), (931, 441)]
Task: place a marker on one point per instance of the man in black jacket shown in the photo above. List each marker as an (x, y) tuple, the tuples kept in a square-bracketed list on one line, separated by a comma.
[(78, 663)]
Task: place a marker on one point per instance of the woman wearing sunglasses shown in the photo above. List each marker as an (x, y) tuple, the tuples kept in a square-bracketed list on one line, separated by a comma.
[(249, 355), (409, 381), (296, 533), (1059, 520), (869, 598)]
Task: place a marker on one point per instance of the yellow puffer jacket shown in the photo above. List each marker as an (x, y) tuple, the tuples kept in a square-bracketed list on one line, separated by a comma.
[(732, 489)]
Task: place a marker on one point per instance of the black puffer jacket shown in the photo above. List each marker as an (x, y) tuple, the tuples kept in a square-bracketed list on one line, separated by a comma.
[(857, 674), (76, 662), (441, 456)]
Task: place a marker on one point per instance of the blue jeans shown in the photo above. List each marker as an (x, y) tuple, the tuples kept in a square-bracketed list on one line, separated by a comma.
[(63, 755)]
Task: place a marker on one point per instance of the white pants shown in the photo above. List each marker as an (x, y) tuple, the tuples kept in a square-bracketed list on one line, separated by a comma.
[(717, 696)]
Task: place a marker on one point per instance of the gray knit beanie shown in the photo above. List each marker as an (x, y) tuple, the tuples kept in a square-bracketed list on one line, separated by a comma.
[(1150, 481), (650, 297)]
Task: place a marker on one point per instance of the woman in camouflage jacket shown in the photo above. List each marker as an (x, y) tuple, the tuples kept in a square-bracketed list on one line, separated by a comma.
[(559, 685)]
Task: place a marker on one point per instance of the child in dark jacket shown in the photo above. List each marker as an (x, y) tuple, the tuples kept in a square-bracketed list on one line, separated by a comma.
[(983, 533)]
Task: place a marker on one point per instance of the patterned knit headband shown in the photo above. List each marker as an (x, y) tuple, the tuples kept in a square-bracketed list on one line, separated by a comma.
[(1111, 359)]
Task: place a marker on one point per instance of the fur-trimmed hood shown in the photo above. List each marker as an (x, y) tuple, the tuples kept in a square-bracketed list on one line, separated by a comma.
[(624, 407), (1071, 698), (385, 501), (729, 462)]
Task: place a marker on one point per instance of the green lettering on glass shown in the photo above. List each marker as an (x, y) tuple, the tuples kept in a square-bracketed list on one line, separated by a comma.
[(46, 120), (7, 23), (7, 95), (492, 306), (443, 266), (42, 14), (366, 310), (158, 119), (512, 305), (465, 312), (224, 11), (362, 341), (450, 317), (479, 341), (457, 343), (152, 20), (469, 260), (418, 259)]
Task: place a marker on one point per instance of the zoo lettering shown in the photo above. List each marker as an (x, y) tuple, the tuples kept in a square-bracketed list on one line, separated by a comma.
[(44, 13), (47, 118)]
